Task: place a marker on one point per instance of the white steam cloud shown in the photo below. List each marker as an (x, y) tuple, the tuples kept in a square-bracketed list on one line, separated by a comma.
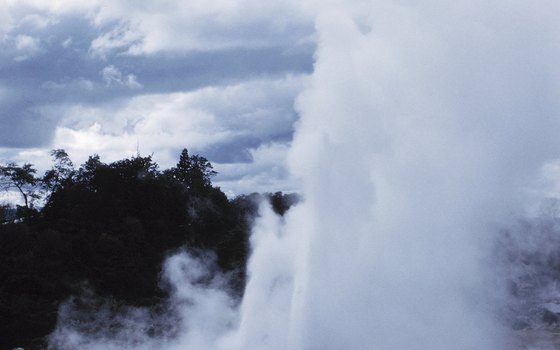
[(424, 129), (194, 315)]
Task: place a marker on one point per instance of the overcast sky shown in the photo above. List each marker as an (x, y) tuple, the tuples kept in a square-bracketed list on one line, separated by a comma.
[(113, 77), (423, 133)]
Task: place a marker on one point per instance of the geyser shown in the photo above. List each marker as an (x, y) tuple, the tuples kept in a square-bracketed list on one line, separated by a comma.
[(424, 128)]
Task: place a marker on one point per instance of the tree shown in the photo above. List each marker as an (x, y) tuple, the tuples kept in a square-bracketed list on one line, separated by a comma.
[(110, 226), (61, 172), (22, 179), (195, 172), (88, 170), (4, 213)]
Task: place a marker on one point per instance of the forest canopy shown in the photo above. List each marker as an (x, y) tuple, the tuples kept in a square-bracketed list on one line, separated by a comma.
[(108, 227)]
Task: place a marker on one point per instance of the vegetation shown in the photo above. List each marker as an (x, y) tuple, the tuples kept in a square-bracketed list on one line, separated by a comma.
[(110, 226)]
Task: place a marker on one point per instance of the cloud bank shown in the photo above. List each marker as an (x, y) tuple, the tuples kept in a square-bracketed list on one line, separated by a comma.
[(70, 72)]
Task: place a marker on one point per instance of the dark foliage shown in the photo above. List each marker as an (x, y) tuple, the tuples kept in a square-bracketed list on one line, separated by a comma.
[(22, 179), (110, 226)]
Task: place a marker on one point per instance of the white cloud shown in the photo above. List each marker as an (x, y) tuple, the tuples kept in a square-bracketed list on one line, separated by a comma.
[(85, 84), (36, 21), (112, 76), (200, 25), (7, 22), (145, 27), (67, 42), (268, 172), (26, 43), (39, 157), (120, 38), (229, 123), (25, 47), (221, 118), (36, 15), (132, 82), (54, 6)]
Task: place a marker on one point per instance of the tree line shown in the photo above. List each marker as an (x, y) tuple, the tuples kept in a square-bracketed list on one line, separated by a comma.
[(110, 226)]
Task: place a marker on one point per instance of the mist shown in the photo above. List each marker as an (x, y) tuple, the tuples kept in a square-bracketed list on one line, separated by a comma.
[(423, 134)]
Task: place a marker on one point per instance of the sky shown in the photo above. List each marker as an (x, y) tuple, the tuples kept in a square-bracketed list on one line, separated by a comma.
[(417, 130), (116, 78), (426, 129)]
